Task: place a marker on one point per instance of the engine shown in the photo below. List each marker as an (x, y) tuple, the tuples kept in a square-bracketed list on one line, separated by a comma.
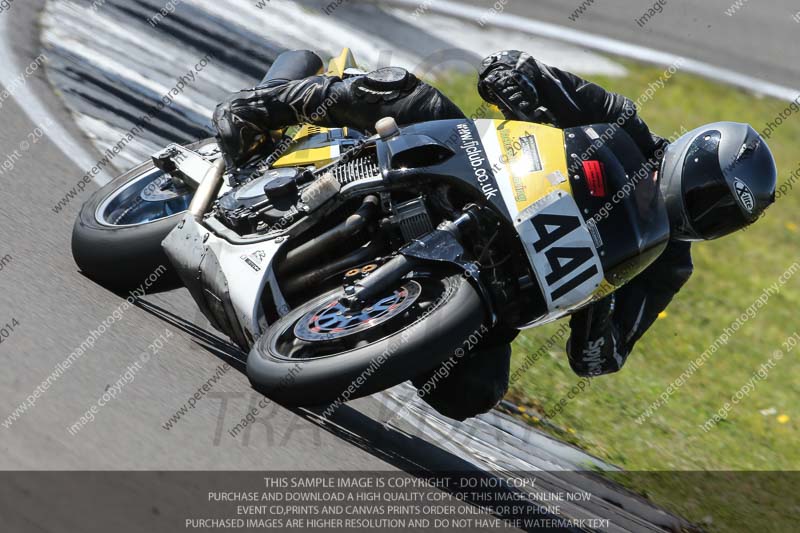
[(267, 200), (258, 204)]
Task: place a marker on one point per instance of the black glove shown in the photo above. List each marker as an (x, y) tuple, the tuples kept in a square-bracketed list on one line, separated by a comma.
[(240, 132), (502, 84)]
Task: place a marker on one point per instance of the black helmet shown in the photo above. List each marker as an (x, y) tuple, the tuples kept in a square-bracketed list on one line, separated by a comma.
[(717, 179)]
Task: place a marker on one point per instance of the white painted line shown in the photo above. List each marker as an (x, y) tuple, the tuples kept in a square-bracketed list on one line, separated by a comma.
[(460, 33), (606, 44), (37, 112)]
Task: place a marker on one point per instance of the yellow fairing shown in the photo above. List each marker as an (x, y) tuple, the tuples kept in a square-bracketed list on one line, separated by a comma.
[(339, 64), (312, 145), (535, 162), (534, 156)]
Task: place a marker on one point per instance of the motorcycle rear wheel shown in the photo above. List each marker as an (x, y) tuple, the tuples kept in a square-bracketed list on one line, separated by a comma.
[(346, 357), (116, 240)]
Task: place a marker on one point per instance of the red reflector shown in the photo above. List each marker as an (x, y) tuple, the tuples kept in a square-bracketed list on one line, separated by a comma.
[(595, 177)]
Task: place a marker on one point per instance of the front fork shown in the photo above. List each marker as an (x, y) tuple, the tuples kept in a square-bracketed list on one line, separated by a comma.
[(442, 245)]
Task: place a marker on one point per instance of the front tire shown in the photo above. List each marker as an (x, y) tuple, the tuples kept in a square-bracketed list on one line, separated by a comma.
[(344, 365)]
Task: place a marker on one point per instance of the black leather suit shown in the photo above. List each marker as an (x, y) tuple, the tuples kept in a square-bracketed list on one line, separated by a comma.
[(602, 335)]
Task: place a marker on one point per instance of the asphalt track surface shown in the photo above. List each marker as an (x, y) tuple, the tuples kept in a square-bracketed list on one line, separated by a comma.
[(760, 39), (56, 309)]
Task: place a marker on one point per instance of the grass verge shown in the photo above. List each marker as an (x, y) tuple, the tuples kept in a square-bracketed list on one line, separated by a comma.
[(762, 428)]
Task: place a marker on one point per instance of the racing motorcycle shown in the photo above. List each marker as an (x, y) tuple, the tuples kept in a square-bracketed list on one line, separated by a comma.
[(347, 261)]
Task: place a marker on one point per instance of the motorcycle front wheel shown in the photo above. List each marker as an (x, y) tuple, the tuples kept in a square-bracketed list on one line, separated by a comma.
[(116, 240), (323, 352)]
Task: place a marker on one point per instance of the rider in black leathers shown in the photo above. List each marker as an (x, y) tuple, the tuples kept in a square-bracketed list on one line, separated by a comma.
[(603, 334)]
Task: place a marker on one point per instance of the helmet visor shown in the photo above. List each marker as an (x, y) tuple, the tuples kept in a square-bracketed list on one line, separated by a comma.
[(711, 207)]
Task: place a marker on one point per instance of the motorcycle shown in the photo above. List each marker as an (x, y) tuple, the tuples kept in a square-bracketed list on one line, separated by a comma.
[(353, 262)]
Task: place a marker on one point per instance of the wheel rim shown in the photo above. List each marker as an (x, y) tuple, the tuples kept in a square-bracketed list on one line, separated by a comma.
[(151, 196), (337, 333)]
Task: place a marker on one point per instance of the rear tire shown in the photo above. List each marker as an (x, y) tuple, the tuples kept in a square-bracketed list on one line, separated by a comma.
[(120, 256), (406, 346)]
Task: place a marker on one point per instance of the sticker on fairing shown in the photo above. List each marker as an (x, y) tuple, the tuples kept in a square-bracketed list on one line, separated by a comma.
[(561, 251), (255, 259), (528, 160), (556, 178), (481, 168), (531, 152)]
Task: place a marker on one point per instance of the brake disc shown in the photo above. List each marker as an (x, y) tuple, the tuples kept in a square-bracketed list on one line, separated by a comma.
[(334, 320)]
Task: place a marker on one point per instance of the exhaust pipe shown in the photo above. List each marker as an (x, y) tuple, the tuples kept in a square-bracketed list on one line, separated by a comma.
[(207, 191), (329, 241)]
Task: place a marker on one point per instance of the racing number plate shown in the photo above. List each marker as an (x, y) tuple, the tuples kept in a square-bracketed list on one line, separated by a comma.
[(561, 251)]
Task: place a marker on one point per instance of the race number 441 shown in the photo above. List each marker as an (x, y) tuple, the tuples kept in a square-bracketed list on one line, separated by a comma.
[(561, 250)]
